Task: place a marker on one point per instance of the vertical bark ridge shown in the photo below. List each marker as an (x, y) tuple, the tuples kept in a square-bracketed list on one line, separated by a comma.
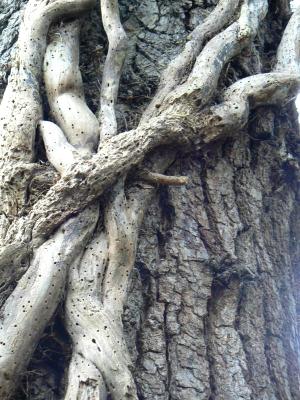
[(227, 357), (174, 317)]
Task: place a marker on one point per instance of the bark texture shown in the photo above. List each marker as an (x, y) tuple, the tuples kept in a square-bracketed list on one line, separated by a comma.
[(209, 310)]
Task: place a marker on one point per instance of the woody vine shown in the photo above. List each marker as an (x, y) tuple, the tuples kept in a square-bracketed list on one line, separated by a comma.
[(77, 242)]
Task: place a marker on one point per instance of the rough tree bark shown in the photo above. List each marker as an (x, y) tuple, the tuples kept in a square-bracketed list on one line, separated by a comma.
[(149, 220)]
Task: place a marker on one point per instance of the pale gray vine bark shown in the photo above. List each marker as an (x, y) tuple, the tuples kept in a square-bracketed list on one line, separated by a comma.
[(209, 312)]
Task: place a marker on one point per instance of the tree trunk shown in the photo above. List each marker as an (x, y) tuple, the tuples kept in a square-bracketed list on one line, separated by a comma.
[(171, 270)]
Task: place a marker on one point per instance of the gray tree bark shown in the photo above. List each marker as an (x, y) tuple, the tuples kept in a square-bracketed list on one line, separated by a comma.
[(165, 265)]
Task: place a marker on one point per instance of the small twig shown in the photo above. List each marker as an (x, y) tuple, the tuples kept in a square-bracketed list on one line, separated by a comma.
[(153, 177)]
